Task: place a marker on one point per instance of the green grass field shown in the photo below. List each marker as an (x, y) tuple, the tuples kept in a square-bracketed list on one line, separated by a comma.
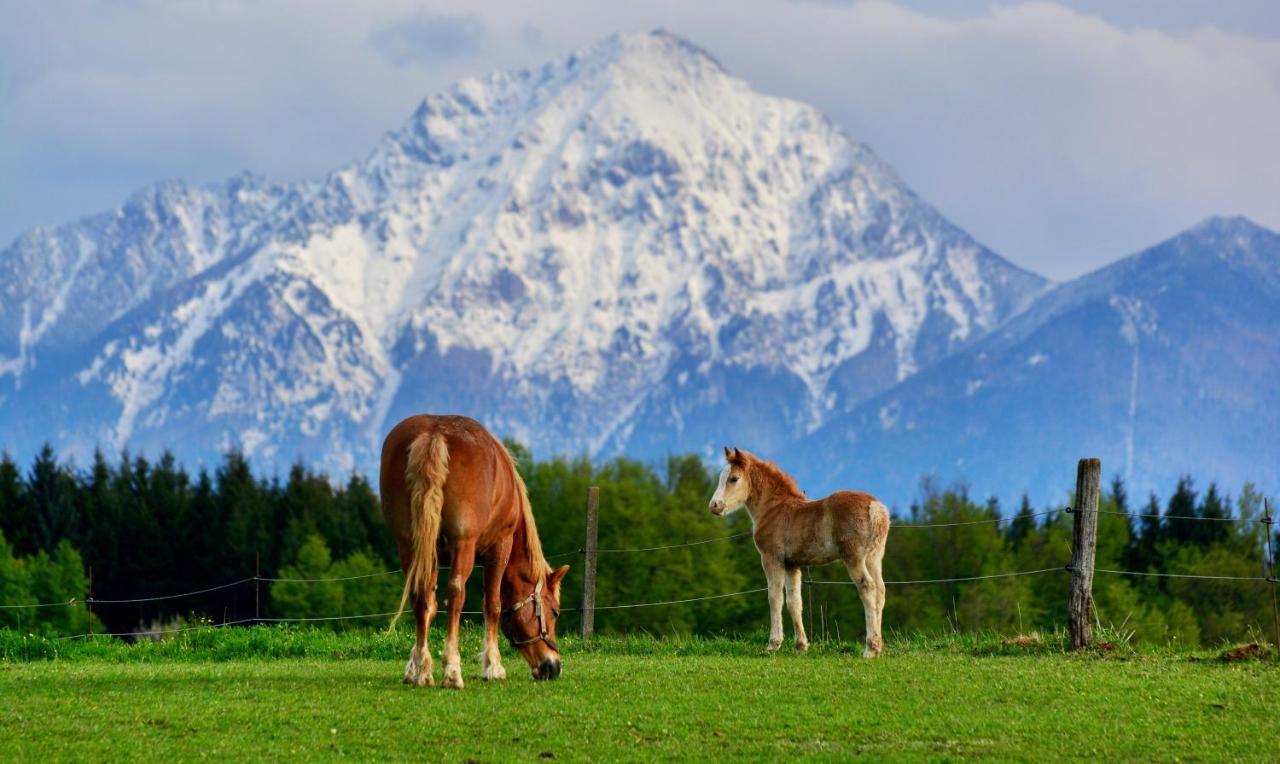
[(252, 693)]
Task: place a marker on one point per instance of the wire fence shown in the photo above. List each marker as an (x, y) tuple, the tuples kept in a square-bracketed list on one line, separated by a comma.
[(89, 601)]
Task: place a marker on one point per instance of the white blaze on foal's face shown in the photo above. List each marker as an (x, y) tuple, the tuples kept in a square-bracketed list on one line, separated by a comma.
[(732, 491)]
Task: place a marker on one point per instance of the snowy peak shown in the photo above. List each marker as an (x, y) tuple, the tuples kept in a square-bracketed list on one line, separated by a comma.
[(603, 253)]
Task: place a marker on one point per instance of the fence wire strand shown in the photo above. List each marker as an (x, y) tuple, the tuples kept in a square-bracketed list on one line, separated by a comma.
[(681, 602), (1242, 520), (948, 580), (68, 603), (96, 601), (985, 521), (674, 546), (180, 629), (321, 580), (1180, 575)]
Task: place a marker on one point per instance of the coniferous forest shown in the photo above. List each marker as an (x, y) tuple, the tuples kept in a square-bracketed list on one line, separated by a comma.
[(146, 529)]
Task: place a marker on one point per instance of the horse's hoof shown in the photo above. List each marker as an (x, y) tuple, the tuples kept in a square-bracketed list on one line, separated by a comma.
[(493, 673), (802, 647), (773, 646), (453, 680)]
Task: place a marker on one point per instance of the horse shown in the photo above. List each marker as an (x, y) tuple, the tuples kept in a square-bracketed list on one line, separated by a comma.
[(450, 490), (792, 532)]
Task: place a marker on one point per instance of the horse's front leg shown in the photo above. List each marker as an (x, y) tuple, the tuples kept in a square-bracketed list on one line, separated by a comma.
[(494, 567), (775, 573), (464, 558)]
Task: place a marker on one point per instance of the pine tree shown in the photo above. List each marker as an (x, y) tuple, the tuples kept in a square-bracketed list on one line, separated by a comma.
[(1146, 547), (1182, 505), (1214, 509), (1023, 523)]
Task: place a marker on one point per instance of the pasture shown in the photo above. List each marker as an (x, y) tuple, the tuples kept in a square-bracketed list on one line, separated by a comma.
[(263, 691)]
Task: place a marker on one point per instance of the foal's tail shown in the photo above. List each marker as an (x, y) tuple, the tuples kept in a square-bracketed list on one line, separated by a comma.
[(425, 474)]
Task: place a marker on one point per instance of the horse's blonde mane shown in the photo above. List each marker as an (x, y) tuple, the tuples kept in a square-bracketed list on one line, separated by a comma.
[(532, 543)]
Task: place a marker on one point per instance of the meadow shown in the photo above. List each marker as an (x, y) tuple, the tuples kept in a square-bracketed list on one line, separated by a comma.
[(277, 691)]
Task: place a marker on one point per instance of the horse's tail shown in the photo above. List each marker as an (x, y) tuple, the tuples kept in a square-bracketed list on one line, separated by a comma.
[(425, 474)]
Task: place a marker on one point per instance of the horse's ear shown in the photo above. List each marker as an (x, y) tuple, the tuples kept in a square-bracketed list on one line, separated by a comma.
[(737, 455), (728, 455), (553, 580)]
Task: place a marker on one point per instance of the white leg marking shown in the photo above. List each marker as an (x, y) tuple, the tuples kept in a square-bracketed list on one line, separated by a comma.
[(452, 668), (417, 671), (796, 607), (491, 664), (775, 574)]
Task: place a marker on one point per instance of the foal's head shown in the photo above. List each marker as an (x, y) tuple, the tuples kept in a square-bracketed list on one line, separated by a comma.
[(734, 489), (529, 613)]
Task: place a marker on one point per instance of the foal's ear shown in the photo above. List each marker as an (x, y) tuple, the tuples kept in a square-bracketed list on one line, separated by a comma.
[(728, 455), (553, 580), (737, 455)]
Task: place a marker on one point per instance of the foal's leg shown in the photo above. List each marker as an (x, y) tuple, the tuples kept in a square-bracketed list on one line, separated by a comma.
[(796, 607), (491, 658), (857, 567), (464, 558), (775, 573), (876, 569)]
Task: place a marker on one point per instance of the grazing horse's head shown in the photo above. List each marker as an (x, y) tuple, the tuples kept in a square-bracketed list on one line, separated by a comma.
[(734, 488), (529, 613)]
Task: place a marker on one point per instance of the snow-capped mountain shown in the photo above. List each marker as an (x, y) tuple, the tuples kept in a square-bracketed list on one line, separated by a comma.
[(626, 249), (1162, 364)]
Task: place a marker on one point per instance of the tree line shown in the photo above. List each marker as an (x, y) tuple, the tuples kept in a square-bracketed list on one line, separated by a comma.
[(145, 529)]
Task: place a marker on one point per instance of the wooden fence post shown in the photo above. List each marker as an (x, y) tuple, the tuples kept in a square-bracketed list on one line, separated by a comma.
[(1084, 540), (589, 566), (1271, 569), (257, 585)]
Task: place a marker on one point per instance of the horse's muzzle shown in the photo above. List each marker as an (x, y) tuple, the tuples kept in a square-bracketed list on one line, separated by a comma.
[(716, 507), (548, 669)]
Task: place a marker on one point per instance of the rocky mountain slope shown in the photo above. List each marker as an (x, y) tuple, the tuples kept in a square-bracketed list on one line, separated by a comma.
[(1162, 364), (625, 250)]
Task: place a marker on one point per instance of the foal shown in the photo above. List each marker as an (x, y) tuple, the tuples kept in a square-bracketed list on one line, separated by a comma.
[(792, 532)]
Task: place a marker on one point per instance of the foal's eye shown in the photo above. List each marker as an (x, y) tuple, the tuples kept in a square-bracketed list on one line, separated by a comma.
[(733, 479)]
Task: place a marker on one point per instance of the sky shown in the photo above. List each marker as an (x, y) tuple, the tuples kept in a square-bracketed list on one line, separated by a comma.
[(1062, 135)]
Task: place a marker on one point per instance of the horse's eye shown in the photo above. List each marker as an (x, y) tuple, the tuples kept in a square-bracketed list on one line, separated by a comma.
[(555, 611), (733, 479)]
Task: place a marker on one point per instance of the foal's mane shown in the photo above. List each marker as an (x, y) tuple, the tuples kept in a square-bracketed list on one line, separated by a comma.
[(768, 475)]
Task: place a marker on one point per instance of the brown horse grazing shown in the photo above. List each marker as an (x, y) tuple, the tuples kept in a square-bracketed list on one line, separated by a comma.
[(792, 532), (451, 491)]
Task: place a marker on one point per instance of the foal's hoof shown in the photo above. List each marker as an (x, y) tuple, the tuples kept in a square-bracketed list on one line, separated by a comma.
[(773, 646), (802, 647)]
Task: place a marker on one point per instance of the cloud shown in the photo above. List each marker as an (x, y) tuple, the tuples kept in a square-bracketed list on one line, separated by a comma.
[(423, 38), (1062, 139)]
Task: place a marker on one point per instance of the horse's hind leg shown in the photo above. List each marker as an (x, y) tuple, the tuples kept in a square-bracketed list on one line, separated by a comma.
[(796, 607), (464, 558), (418, 671)]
